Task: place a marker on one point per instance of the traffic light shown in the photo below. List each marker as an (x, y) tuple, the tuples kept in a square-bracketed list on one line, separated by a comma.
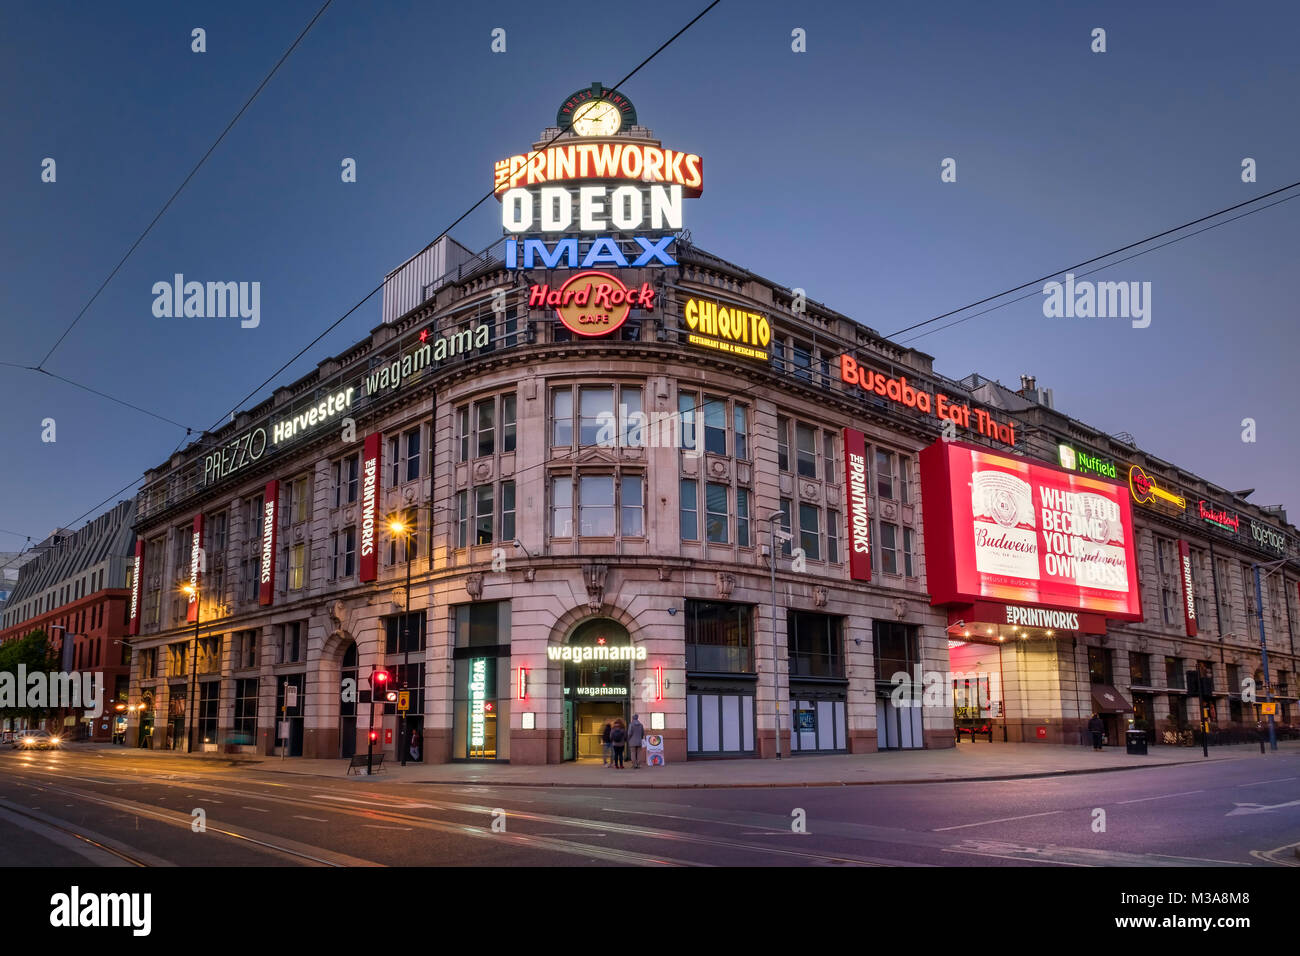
[(374, 735), (381, 677)]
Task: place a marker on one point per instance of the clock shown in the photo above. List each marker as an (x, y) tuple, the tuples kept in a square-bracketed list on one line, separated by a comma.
[(597, 118)]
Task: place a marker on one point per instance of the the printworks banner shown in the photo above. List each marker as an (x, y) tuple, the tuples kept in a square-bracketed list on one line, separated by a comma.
[(855, 504), (270, 519)]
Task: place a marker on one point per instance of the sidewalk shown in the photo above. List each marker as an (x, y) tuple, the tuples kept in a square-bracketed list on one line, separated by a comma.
[(967, 762)]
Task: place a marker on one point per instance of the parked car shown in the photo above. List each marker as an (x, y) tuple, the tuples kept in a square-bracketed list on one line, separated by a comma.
[(38, 740), (7, 737)]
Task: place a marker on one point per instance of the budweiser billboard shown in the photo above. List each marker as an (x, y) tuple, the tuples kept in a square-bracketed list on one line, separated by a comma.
[(855, 504), (136, 565), (1189, 592), (999, 527), (270, 518), (196, 569), (370, 507)]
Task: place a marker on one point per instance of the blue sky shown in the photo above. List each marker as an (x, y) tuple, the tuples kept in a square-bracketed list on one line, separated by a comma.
[(821, 171)]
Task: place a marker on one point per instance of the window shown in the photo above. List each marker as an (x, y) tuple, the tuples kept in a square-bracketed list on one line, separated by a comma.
[(810, 530), (1169, 605), (909, 549), (686, 416), (404, 633), (740, 428), (715, 425), (297, 566), (782, 443), (632, 505), (343, 553), (833, 538), (1139, 669), (1099, 665), (596, 506), (896, 649), (742, 517), (1248, 589), (290, 647), (246, 649), (412, 441), (1174, 673), (905, 479), (631, 432), (253, 528), (245, 722), (217, 523), (715, 517), (1165, 556), (485, 430), (208, 701), (507, 511), (176, 660), (802, 360), (690, 520), (404, 457), (405, 546), (562, 417), (884, 473), (148, 663), (592, 402), (300, 498), (815, 644), (346, 472), (806, 449), (562, 507), (483, 514), (888, 549), (787, 512), (1200, 562), (829, 471), (1225, 595), (719, 637), (209, 661), (508, 416), (462, 432)]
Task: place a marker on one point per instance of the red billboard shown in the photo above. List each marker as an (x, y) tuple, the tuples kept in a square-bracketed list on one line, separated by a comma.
[(855, 504), (370, 507), (1189, 591), (136, 565), (196, 569), (270, 518), (1004, 528)]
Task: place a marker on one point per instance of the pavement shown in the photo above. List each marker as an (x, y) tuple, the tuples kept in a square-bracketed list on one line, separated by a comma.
[(967, 762)]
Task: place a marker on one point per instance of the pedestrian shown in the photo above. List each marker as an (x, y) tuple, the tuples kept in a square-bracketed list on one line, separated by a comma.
[(1096, 728), (416, 740), (635, 740), (604, 744), (617, 740)]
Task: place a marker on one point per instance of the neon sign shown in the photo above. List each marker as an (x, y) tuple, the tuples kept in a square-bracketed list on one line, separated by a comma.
[(598, 209), (1145, 491), (477, 702), (1077, 460), (592, 303), (586, 652), (727, 329), (604, 251), (635, 161), (1218, 516)]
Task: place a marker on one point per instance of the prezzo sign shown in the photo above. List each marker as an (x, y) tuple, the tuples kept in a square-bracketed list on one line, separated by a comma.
[(1042, 617), (270, 516), (196, 569), (369, 569), (855, 491), (1076, 460), (1220, 517), (1189, 591), (136, 563), (727, 329), (250, 446), (1000, 527), (940, 405)]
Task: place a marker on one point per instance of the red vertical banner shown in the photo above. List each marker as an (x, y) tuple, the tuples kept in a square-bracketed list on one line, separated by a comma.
[(270, 519), (136, 566), (197, 563), (370, 507), (855, 504), (1189, 592)]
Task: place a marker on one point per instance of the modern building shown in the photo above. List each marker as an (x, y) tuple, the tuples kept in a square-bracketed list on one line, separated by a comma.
[(565, 457), (76, 589)]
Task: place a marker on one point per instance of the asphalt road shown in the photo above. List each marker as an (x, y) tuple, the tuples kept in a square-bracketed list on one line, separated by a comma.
[(113, 808)]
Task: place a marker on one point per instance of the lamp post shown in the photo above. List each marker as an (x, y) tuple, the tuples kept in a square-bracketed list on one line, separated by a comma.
[(1263, 642), (194, 593), (776, 675), (67, 635), (396, 526)]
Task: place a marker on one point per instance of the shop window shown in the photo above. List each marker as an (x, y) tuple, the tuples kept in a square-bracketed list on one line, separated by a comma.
[(209, 692), (896, 647), (244, 726), (815, 644), (176, 655), (719, 637)]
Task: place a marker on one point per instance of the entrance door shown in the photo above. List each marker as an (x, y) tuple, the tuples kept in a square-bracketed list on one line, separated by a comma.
[(590, 717)]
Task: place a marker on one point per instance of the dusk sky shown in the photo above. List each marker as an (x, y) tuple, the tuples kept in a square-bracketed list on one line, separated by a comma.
[(821, 170)]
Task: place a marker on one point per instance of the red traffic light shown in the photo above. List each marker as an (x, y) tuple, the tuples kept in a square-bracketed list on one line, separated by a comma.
[(381, 677), (374, 735)]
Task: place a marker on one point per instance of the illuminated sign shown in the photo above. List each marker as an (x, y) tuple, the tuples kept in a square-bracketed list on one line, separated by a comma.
[(1000, 527), (577, 653), (605, 251), (1042, 617), (135, 586), (1145, 491), (250, 446), (369, 569), (311, 417), (270, 506), (196, 569), (596, 112), (1076, 460), (477, 702), (592, 303), (938, 404), (727, 329), (593, 209), (1267, 537), (1220, 517), (1189, 592), (392, 375), (602, 691), (635, 161), (855, 492)]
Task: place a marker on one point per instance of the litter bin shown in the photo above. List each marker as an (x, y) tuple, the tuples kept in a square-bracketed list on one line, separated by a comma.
[(1135, 742)]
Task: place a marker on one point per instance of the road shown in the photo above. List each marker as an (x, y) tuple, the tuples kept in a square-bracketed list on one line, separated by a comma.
[(116, 808)]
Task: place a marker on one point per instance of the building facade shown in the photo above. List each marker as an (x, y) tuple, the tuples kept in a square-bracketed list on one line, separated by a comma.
[(597, 472)]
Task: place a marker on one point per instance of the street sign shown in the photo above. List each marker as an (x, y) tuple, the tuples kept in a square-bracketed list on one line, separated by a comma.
[(284, 730), (403, 700), (291, 695), (1268, 710)]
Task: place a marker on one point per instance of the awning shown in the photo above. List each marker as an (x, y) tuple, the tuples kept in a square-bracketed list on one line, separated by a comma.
[(1108, 700)]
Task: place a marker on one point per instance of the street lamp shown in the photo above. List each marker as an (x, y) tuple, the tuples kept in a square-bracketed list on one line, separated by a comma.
[(776, 676), (196, 596), (398, 527), (1263, 642)]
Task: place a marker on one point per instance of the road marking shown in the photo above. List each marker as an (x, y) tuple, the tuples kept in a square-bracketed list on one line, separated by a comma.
[(984, 823), (374, 826), (1259, 783), (256, 809), (377, 802), (1163, 796), (674, 816), (1279, 855), (1244, 808), (298, 816)]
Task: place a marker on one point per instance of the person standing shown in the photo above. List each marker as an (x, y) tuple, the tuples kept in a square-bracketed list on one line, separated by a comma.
[(604, 744), (415, 741), (635, 740), (1096, 728), (617, 740)]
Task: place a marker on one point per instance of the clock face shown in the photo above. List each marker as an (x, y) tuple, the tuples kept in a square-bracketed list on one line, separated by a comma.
[(597, 118)]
